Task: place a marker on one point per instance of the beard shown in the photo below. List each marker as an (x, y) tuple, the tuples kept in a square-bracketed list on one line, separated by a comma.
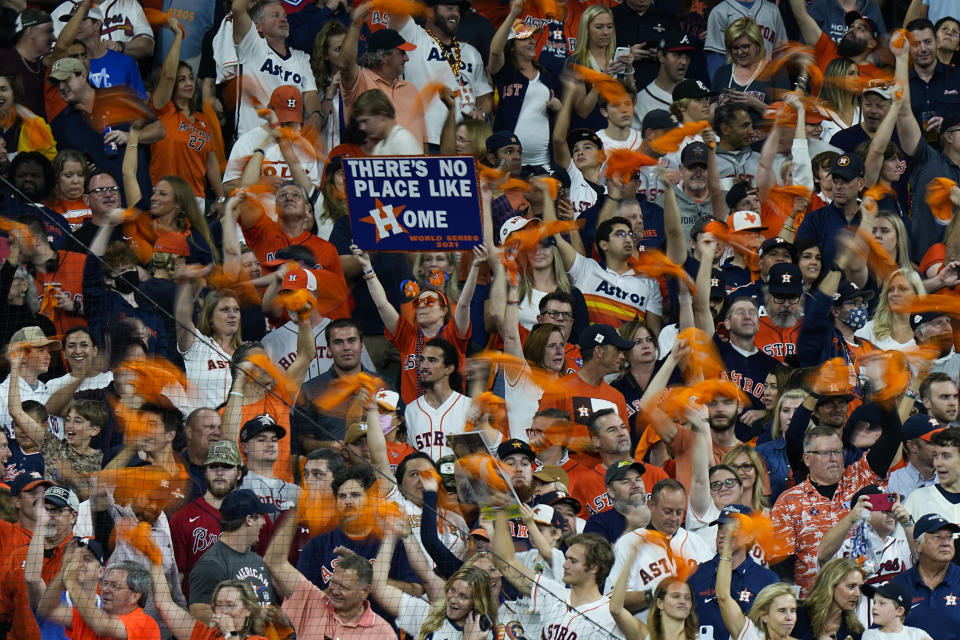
[(722, 423), (220, 492), (784, 319), (849, 47)]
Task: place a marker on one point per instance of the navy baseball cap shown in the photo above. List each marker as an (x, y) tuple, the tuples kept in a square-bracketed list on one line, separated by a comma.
[(26, 481), (259, 424), (920, 425), (690, 88), (899, 593), (557, 497), (740, 190), (499, 139), (515, 445), (777, 243), (718, 285), (675, 41), (618, 470), (727, 513), (693, 154), (785, 279), (848, 166), (852, 16), (658, 119), (917, 319), (600, 335), (242, 503), (847, 290), (95, 548), (580, 135), (933, 522), (387, 40)]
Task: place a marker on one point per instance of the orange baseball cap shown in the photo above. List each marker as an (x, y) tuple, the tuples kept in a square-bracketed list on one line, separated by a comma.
[(287, 103), (172, 242)]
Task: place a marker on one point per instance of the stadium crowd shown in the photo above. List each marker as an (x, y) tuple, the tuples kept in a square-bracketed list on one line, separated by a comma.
[(698, 381)]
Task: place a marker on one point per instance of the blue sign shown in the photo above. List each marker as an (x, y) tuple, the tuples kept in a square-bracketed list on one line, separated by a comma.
[(413, 203)]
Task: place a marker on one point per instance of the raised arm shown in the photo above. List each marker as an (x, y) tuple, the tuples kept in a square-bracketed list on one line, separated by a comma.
[(131, 188), (733, 618), (520, 576), (568, 253), (672, 226), (539, 542), (241, 19), (809, 28), (702, 316), (51, 606), (381, 590), (499, 41), (251, 170), (388, 315), (350, 46), (448, 134), (632, 628), (21, 418), (230, 422), (306, 351), (908, 129), (100, 622), (33, 564), (833, 539), (231, 242), (766, 176), (284, 575), (377, 443), (718, 205), (509, 324), (163, 91), (69, 33), (183, 310), (875, 154), (422, 566), (700, 461), (177, 619), (561, 125), (461, 315)]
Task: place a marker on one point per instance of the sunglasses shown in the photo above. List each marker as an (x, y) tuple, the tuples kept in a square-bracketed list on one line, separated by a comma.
[(428, 301)]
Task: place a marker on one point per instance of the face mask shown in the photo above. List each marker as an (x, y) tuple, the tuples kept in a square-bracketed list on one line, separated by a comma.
[(127, 282), (386, 422), (857, 319)]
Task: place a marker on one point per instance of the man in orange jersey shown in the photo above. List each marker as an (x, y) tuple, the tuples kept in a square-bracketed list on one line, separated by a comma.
[(858, 43), (777, 336), (584, 392)]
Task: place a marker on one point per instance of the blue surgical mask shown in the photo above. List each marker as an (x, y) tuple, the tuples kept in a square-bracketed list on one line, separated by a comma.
[(857, 318)]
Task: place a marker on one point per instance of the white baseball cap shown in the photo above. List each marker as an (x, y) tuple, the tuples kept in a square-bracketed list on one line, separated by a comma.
[(514, 224)]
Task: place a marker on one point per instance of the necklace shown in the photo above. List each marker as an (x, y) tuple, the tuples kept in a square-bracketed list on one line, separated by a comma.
[(457, 62), (27, 64)]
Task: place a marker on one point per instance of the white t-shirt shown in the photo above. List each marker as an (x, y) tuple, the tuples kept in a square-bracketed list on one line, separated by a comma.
[(887, 343), (273, 163), (926, 500), (208, 370), (281, 346), (652, 563), (399, 142), (41, 393), (531, 560), (427, 428), (560, 619), (123, 20), (522, 396), (582, 195), (427, 64), (650, 97), (533, 124), (609, 144), (907, 633), (272, 70), (529, 308)]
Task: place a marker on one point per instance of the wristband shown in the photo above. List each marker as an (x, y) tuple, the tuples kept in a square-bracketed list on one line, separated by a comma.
[(260, 151), (236, 393), (123, 47), (728, 559), (835, 267), (513, 302)]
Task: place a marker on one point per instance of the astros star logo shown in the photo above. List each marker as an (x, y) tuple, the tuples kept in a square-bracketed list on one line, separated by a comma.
[(584, 412), (951, 600), (744, 596), (385, 217)]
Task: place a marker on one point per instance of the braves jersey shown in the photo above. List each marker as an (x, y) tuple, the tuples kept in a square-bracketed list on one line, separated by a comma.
[(428, 64), (428, 427), (614, 298), (123, 20), (451, 527), (887, 558), (561, 620), (653, 563), (272, 70), (194, 528)]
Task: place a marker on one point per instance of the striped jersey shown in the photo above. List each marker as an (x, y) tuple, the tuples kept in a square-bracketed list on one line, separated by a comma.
[(614, 298)]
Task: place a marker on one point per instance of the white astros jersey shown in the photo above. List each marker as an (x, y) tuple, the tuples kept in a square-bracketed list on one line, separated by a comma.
[(561, 621)]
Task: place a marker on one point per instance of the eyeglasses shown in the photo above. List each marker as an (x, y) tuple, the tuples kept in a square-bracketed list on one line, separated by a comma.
[(716, 485), (429, 301), (99, 191), (290, 195), (832, 453), (623, 234), (785, 299), (558, 315), (745, 467), (112, 586)]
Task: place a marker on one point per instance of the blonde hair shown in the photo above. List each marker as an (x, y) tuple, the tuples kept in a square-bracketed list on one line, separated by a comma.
[(903, 251), (581, 54), (451, 288), (764, 600), (834, 90), (189, 215), (758, 501), (883, 318), (776, 430), (65, 156), (478, 131), (479, 581), (820, 598), (525, 290), (255, 623), (743, 28)]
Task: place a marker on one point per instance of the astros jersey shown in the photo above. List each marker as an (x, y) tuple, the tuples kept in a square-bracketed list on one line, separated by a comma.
[(652, 563), (272, 70), (563, 621), (427, 428), (775, 341), (614, 298)]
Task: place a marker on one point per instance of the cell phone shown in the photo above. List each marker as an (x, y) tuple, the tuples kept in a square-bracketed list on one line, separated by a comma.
[(882, 501), (484, 622), (621, 51)]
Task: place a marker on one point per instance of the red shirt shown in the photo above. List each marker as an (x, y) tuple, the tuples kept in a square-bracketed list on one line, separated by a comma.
[(194, 528), (266, 237), (69, 274), (406, 339), (581, 399), (587, 485)]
